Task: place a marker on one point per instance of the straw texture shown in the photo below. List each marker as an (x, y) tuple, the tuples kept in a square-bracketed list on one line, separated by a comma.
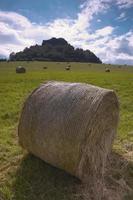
[(71, 126)]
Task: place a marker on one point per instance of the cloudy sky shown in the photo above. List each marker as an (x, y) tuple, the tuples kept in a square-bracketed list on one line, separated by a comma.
[(103, 26)]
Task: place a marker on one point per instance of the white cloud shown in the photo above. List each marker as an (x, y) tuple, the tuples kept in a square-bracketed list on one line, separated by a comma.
[(12, 28), (125, 3), (104, 31), (15, 20), (99, 20), (17, 32), (89, 9), (122, 16), (114, 49)]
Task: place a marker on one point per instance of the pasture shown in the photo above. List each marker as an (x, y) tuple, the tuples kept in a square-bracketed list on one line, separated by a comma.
[(25, 177)]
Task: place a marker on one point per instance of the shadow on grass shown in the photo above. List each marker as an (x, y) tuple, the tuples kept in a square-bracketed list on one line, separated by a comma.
[(119, 177), (36, 180)]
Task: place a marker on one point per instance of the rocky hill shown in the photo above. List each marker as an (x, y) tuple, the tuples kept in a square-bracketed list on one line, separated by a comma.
[(55, 50)]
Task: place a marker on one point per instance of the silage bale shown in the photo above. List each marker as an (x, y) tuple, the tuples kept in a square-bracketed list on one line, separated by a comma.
[(71, 126)]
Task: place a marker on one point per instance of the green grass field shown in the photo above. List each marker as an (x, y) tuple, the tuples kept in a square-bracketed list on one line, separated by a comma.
[(24, 177)]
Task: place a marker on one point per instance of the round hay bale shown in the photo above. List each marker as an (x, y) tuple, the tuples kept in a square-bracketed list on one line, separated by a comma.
[(20, 69), (107, 70), (71, 126), (44, 67), (67, 68)]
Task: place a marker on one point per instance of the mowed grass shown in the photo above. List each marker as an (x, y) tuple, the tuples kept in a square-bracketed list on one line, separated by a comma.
[(24, 177)]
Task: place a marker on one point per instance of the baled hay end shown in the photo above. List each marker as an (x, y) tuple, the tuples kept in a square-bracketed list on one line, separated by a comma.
[(71, 126)]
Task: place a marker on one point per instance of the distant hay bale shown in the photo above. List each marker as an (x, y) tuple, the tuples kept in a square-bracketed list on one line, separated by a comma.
[(68, 67), (71, 126), (20, 69), (107, 70)]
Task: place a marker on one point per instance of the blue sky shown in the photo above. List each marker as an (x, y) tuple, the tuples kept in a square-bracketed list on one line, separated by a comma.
[(41, 11), (103, 26)]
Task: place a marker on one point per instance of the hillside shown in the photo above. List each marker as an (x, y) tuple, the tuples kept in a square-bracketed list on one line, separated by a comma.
[(55, 50)]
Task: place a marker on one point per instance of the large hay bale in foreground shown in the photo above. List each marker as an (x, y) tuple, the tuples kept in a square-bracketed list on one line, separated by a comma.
[(71, 126)]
